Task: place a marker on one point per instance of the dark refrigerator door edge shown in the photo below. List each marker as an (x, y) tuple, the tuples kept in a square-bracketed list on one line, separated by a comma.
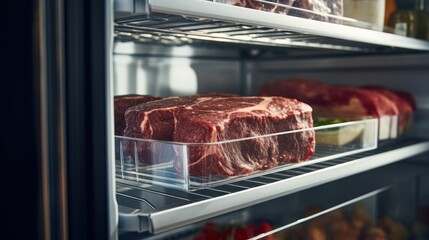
[(19, 179), (89, 134), (57, 139)]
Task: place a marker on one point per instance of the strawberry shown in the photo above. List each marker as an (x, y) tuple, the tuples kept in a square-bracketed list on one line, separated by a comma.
[(264, 227), (210, 231), (244, 233), (253, 229)]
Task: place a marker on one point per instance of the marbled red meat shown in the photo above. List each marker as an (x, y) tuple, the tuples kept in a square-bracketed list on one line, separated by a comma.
[(236, 118), (152, 120), (408, 98), (269, 7), (241, 3), (122, 103), (212, 119), (332, 100)]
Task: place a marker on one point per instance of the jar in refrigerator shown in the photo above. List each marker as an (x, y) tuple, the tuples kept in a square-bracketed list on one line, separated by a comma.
[(389, 9), (369, 11), (411, 22)]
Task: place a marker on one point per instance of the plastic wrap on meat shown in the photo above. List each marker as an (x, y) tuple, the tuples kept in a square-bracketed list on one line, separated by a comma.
[(278, 6), (337, 7), (262, 6), (240, 3), (318, 9), (310, 9)]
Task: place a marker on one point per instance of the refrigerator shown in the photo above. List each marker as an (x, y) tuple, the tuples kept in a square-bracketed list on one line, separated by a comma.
[(66, 175)]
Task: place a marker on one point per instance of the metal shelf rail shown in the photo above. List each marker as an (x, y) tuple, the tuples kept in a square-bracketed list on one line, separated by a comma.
[(146, 208), (200, 21)]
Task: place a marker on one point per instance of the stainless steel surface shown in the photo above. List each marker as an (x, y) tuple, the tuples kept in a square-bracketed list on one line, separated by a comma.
[(169, 71), (196, 21), (169, 209), (111, 183)]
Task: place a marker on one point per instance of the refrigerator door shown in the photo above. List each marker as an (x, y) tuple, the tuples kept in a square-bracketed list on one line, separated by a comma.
[(20, 182), (91, 204), (58, 136)]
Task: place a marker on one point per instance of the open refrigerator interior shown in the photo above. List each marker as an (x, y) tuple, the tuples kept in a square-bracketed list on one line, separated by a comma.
[(199, 48)]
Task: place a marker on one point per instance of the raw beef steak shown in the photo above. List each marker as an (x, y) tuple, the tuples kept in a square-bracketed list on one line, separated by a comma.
[(223, 119), (153, 120), (215, 119), (122, 103)]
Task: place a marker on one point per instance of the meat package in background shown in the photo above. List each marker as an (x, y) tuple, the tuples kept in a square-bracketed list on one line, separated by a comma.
[(319, 9), (310, 9), (261, 5), (332, 100), (337, 7), (405, 116), (268, 5), (202, 122), (276, 5), (335, 101), (240, 3), (408, 98), (122, 103)]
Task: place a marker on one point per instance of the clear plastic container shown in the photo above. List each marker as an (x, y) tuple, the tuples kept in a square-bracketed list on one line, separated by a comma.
[(191, 166), (389, 126), (403, 124), (394, 126)]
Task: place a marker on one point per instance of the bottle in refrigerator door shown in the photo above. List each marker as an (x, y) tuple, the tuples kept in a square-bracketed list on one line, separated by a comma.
[(390, 7), (413, 22)]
